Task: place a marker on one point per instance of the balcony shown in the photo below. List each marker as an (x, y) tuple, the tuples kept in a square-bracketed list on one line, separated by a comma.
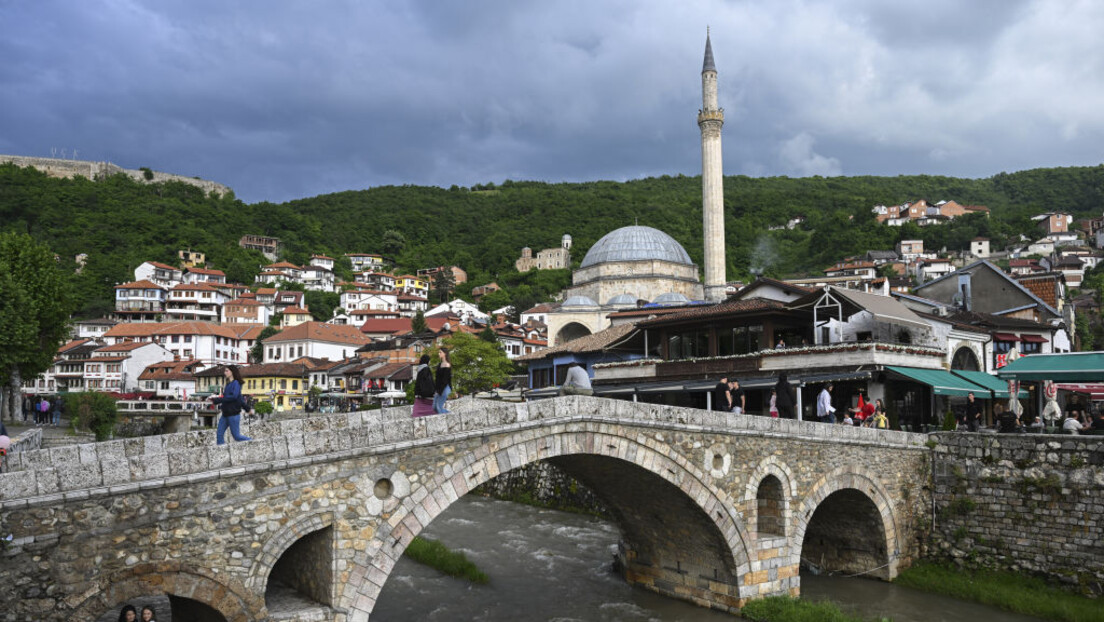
[(794, 361)]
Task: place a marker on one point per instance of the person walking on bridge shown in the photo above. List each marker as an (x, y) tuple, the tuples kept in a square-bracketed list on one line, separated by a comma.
[(785, 399), (825, 411), (230, 403), (443, 383)]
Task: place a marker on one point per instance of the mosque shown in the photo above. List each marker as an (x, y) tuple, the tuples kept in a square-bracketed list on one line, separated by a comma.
[(636, 266)]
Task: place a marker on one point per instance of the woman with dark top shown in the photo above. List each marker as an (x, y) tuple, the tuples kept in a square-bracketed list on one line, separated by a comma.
[(784, 399), (443, 383), (230, 403), (128, 614), (424, 388)]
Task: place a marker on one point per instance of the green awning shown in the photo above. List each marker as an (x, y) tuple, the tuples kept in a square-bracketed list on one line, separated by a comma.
[(1064, 367), (941, 382), (996, 385)]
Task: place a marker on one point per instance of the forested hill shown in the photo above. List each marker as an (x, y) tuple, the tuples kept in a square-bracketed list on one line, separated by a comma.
[(119, 222)]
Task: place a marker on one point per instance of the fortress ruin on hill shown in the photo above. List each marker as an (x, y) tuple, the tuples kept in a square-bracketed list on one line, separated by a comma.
[(55, 167)]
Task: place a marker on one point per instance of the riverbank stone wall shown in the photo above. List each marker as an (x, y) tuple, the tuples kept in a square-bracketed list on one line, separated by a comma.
[(1021, 502)]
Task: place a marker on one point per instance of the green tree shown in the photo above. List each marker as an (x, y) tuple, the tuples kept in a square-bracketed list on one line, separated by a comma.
[(443, 284), (393, 242), (34, 312), (93, 411), (418, 324), (476, 364), (256, 353), (488, 335)]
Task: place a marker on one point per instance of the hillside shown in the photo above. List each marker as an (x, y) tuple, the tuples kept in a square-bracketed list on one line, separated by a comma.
[(119, 222)]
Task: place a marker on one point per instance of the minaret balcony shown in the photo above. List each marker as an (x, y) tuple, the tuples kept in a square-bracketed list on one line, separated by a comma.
[(711, 115)]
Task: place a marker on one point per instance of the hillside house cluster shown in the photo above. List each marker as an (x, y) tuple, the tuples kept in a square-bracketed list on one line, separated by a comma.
[(174, 328), (924, 213)]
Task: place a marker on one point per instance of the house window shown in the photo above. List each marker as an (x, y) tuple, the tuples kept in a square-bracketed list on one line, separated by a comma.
[(1031, 347), (688, 344), (283, 385), (294, 385), (739, 340)]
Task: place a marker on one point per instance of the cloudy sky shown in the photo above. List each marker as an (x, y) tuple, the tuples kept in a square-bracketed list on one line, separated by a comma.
[(282, 99)]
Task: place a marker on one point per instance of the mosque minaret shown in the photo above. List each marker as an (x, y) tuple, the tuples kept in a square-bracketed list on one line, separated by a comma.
[(710, 120)]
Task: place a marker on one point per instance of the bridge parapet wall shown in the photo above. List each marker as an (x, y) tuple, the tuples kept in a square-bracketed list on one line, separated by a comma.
[(1023, 502), (174, 458)]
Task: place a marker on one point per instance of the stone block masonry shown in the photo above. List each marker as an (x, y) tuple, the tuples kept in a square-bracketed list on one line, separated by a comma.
[(1026, 503), (342, 495)]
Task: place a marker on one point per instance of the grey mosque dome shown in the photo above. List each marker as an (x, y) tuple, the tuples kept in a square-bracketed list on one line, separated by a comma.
[(579, 301), (622, 300), (672, 298), (636, 243)]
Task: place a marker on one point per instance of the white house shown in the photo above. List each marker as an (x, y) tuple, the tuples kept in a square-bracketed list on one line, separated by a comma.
[(366, 261), (369, 299), (213, 344), (162, 274), (979, 247), (317, 278), (204, 275), (409, 306), (316, 340), (194, 302), (466, 311), (322, 261), (117, 367), (140, 301), (171, 379)]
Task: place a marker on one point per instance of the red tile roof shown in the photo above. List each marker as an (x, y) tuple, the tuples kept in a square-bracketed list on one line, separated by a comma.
[(143, 284), (320, 331)]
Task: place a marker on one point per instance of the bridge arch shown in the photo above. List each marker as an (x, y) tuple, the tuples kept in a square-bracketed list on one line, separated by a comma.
[(702, 504), (223, 594), (851, 493), (762, 497)]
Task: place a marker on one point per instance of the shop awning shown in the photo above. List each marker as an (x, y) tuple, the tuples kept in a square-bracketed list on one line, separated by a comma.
[(1095, 390), (941, 382), (1064, 367), (1005, 337), (992, 383), (1033, 339)]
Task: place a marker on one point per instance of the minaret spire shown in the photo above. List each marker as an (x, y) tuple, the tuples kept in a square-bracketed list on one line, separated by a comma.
[(711, 120)]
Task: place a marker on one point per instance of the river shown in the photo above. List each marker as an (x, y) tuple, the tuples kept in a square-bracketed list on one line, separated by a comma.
[(554, 566)]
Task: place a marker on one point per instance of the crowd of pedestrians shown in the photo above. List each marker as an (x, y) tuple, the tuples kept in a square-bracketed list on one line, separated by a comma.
[(727, 396), (42, 411)]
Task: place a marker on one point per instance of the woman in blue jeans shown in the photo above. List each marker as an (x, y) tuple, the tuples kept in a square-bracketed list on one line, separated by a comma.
[(230, 403), (443, 383)]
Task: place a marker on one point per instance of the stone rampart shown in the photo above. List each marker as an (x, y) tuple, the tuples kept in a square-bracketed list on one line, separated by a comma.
[(56, 167), (1022, 502)]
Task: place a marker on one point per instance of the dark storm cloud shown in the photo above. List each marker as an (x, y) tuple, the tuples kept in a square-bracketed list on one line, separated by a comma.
[(283, 99)]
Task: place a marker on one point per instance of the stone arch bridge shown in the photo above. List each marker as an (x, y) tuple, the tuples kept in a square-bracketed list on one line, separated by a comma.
[(713, 508)]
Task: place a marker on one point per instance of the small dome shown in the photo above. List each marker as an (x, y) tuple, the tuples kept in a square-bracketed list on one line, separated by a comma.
[(636, 243), (622, 300), (579, 301), (672, 298)]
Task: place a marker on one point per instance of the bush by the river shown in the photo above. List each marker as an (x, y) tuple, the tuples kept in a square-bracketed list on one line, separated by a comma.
[(93, 411), (1007, 590), (436, 555), (787, 609)]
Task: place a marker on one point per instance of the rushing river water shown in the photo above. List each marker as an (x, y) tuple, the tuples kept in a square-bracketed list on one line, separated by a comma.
[(553, 566)]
